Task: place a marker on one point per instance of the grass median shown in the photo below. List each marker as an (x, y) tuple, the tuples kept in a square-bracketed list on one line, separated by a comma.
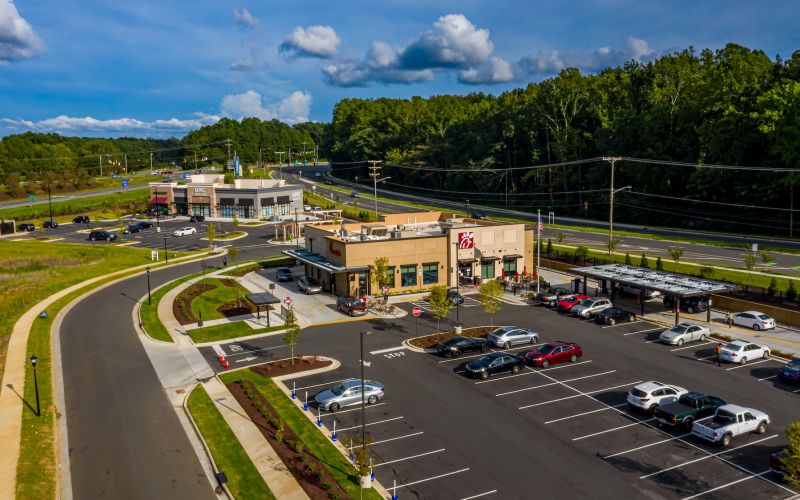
[(337, 464), (244, 480), (226, 331), (93, 204)]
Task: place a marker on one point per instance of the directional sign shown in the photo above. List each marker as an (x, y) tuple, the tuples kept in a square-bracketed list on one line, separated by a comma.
[(417, 311), (31, 197), (287, 301), (124, 183)]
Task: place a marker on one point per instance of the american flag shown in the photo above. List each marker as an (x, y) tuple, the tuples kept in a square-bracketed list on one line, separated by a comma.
[(539, 225)]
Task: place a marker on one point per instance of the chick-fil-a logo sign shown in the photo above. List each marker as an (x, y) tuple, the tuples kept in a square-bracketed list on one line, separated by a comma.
[(466, 240)]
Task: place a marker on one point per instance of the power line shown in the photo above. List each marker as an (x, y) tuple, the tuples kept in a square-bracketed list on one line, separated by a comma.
[(709, 165), (713, 202)]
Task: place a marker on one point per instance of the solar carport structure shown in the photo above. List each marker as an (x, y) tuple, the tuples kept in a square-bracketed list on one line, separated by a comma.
[(677, 286)]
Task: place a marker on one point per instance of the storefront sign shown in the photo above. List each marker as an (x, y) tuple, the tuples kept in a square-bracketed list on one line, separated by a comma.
[(466, 240), (200, 191), (332, 250)]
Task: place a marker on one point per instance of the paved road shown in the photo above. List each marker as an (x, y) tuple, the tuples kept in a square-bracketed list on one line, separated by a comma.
[(125, 439), (64, 197), (565, 432)]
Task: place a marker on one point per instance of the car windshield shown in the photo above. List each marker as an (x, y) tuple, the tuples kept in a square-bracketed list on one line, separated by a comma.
[(763, 316), (733, 347), (485, 360), (502, 331), (339, 389), (724, 417), (678, 329), (546, 349), (352, 302), (312, 281), (587, 302)]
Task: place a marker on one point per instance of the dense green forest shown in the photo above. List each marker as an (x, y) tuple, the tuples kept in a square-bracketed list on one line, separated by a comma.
[(734, 107)]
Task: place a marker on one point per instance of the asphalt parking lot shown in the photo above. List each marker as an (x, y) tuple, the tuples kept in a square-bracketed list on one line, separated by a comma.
[(564, 431)]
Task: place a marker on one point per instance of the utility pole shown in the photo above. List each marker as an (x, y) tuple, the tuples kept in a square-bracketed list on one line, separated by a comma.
[(791, 210), (151, 163), (538, 246), (100, 162), (126, 163), (195, 160), (280, 162), (228, 143), (316, 154), (375, 172), (612, 160)]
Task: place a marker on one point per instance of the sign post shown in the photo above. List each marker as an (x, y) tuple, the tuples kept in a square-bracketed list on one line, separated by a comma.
[(417, 311), (287, 301)]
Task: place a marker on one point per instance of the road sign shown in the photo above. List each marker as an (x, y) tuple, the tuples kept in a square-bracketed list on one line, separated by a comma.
[(185, 175), (124, 183), (385, 290), (287, 301), (31, 197), (229, 164), (417, 311), (364, 298)]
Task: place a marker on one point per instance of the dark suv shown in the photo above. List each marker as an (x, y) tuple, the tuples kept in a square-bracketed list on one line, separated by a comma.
[(197, 218), (26, 227), (688, 304), (102, 236), (351, 306), (284, 274), (81, 219)]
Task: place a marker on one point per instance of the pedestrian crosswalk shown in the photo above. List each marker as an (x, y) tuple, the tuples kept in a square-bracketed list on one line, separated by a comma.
[(426, 306)]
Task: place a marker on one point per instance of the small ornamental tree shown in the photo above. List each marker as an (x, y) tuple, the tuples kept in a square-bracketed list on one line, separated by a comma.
[(767, 259), (659, 264), (791, 457), (440, 303), (235, 223), (612, 246), (549, 249), (773, 287), (643, 262), (211, 232), (581, 252), (292, 334), (627, 259), (676, 253), (490, 292), (791, 292), (379, 270)]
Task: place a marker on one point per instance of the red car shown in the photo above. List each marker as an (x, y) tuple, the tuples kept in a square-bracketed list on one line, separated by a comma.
[(567, 304), (554, 352)]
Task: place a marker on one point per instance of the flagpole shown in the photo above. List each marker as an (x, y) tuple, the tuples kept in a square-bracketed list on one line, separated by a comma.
[(538, 245)]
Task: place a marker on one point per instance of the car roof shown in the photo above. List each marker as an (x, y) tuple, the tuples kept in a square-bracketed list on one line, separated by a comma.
[(650, 386), (752, 312), (739, 342), (558, 343), (733, 408), (355, 382)]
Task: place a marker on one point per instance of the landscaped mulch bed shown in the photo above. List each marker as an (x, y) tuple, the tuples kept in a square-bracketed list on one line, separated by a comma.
[(182, 306), (309, 471), (430, 341), (231, 309), (285, 366), (228, 282)]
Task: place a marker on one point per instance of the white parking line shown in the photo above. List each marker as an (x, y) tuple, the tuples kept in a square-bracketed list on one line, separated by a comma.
[(578, 395), (707, 357), (647, 445), (532, 371), (526, 346), (480, 495), (391, 349), (643, 331), (706, 457), (320, 385), (553, 383), (585, 413), (612, 430), (432, 478), (408, 458), (396, 438), (690, 346), (370, 423), (767, 378), (623, 324), (353, 409), (726, 485), (747, 364)]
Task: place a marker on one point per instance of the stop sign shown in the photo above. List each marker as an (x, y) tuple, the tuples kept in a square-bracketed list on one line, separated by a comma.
[(417, 311), (288, 301)]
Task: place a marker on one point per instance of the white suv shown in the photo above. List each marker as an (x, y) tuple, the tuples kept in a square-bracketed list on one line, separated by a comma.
[(589, 307), (648, 395)]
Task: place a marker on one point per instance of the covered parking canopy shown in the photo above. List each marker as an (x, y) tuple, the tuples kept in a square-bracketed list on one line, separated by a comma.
[(674, 285), (262, 299)]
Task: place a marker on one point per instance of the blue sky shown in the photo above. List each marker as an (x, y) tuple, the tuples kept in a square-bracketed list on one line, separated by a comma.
[(162, 68)]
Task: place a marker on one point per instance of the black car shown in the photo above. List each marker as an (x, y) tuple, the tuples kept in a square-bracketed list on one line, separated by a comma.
[(329, 182), (26, 227), (688, 304), (284, 274), (81, 219), (197, 218), (459, 345), (133, 228), (613, 315), (477, 215), (144, 224), (102, 236), (455, 297), (495, 362), (354, 194), (49, 224)]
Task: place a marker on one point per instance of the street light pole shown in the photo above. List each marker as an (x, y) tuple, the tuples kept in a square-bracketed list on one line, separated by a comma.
[(50, 202), (612, 160), (166, 255), (375, 172), (36, 385), (149, 301)]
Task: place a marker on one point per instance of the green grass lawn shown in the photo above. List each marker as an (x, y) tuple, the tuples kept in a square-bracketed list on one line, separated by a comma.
[(362, 213), (244, 479), (227, 331), (337, 464), (228, 236), (205, 306), (94, 204), (149, 313)]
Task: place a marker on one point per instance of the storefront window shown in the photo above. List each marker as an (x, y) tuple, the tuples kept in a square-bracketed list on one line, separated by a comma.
[(487, 270), (389, 280), (201, 209), (510, 266), (430, 273), (408, 275)]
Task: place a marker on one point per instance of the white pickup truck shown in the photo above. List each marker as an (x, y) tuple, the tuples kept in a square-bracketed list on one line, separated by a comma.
[(730, 421)]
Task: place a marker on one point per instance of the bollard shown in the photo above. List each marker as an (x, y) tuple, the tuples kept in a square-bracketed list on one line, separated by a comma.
[(352, 457), (305, 404), (371, 470), (394, 489), (294, 392), (319, 418), (333, 435)]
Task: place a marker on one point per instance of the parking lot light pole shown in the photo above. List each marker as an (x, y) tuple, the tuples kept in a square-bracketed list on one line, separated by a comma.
[(36, 384), (148, 286), (50, 202), (166, 255)]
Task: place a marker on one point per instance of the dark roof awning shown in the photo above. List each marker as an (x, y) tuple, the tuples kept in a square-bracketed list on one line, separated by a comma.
[(320, 262), (512, 256), (466, 261), (489, 258), (262, 299)]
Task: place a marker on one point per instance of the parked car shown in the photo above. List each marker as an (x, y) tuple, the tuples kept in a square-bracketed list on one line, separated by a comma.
[(753, 319), (329, 182), (649, 395), (554, 296), (49, 224), (309, 285), (588, 307), (458, 345), (507, 336), (477, 215), (316, 209), (684, 332), (688, 304), (184, 231), (630, 290), (353, 194), (26, 226), (197, 218), (740, 351), (495, 362), (81, 219), (688, 408), (284, 274), (144, 224), (554, 352), (133, 228), (102, 236), (566, 304), (790, 372), (455, 297), (349, 393), (729, 422), (613, 315), (306, 208), (351, 306), (777, 463)]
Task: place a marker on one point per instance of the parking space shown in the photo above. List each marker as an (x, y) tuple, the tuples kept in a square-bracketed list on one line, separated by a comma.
[(426, 306)]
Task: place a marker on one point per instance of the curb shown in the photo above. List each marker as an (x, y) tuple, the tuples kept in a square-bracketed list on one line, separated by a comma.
[(202, 439), (407, 344)]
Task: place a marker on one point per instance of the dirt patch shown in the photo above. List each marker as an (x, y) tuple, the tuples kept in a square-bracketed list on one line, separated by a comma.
[(430, 341), (285, 366), (307, 469), (261, 265), (235, 308), (229, 283), (182, 306)]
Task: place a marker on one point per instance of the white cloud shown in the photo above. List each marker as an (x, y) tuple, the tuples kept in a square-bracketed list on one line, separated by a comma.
[(496, 70), (17, 38), (64, 123), (244, 18), (379, 64), (314, 41), (242, 65), (293, 109), (453, 42), (633, 49)]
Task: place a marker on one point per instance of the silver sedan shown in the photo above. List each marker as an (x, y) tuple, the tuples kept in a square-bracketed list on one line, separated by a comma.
[(507, 336), (309, 285), (684, 332), (349, 393)]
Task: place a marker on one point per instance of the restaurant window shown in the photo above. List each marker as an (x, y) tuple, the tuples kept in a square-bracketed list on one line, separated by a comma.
[(510, 266), (408, 275), (430, 273), (389, 275), (487, 270)]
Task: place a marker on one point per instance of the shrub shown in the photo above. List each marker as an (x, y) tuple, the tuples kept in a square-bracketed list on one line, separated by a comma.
[(325, 485), (706, 271), (304, 458), (627, 259), (298, 447), (643, 262), (279, 436), (659, 265), (791, 292), (773, 287), (549, 249), (333, 496)]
